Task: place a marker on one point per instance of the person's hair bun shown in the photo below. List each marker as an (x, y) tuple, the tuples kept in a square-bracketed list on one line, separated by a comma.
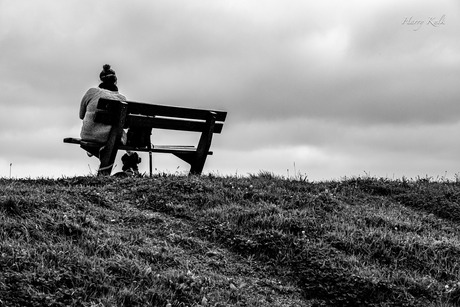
[(107, 74)]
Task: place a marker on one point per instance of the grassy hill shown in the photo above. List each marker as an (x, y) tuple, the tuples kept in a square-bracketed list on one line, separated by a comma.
[(227, 241)]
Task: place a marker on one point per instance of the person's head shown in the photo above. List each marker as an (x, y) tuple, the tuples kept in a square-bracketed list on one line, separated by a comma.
[(108, 78), (108, 75)]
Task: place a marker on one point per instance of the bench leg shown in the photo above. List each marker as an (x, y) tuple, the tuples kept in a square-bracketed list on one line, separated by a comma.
[(196, 162), (197, 167), (203, 146)]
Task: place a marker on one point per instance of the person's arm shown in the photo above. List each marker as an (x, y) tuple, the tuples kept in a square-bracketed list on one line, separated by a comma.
[(84, 103)]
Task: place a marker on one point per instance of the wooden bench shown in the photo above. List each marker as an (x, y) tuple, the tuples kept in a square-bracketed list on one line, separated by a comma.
[(145, 117)]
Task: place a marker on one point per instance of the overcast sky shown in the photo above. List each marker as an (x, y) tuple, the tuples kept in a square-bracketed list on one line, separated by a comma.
[(326, 89)]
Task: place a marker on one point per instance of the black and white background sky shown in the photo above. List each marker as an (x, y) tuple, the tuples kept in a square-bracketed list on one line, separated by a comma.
[(338, 88)]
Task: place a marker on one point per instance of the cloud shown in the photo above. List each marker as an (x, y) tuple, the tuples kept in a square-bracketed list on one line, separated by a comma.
[(331, 84)]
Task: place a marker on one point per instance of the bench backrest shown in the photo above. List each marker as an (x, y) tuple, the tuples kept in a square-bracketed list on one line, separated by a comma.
[(160, 116)]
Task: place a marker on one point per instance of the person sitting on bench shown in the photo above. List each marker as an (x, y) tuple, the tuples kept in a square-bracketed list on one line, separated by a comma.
[(91, 130)]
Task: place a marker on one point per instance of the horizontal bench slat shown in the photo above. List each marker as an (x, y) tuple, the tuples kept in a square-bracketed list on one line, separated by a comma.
[(72, 140), (163, 110), (156, 122), (170, 124), (179, 149), (105, 117), (83, 143), (164, 149)]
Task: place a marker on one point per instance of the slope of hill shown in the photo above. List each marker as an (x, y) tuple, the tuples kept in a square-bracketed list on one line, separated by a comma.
[(227, 241)]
